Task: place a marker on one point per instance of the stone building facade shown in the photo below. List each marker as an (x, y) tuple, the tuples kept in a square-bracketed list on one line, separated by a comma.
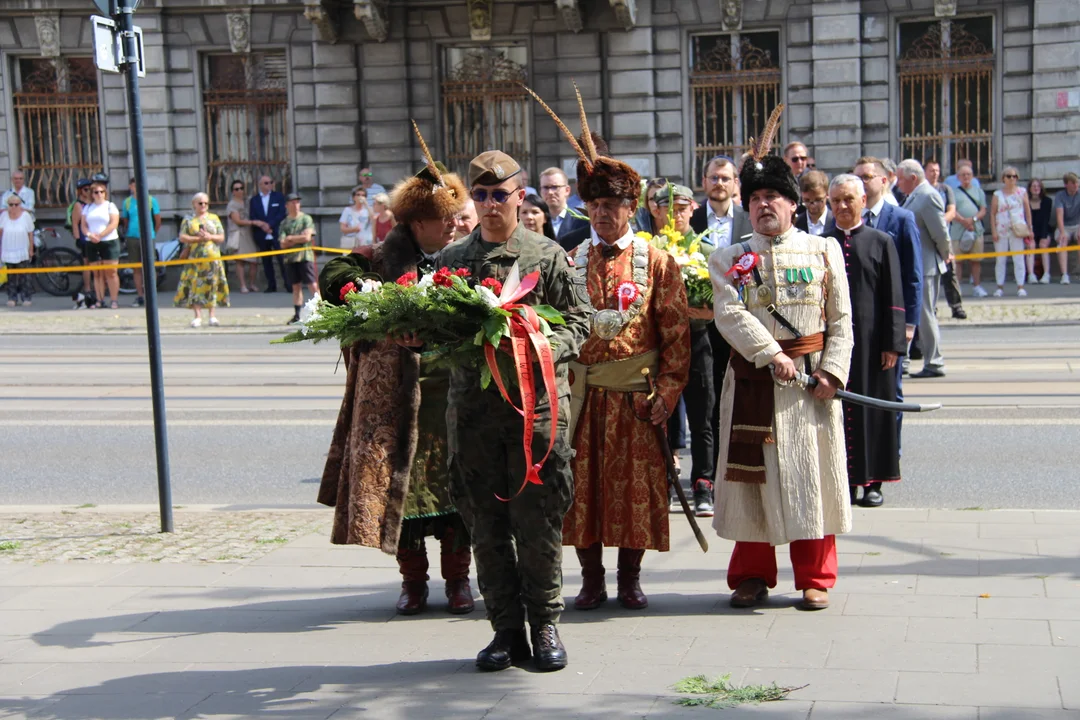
[(311, 91)]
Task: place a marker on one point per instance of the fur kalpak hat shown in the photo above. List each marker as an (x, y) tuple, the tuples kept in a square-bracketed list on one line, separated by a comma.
[(431, 194), (760, 170), (598, 176)]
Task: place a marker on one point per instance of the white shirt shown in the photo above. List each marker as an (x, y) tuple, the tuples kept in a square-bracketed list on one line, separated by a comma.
[(721, 225), (266, 211), (351, 217), (97, 218), (622, 243), (816, 227), (890, 198), (876, 210), (556, 222), (25, 194), (15, 243)]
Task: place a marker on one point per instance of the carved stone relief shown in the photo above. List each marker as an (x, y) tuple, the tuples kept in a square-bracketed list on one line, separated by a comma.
[(571, 14), (373, 18), (625, 12), (318, 14), (480, 19), (944, 8), (731, 11), (48, 33), (240, 30)]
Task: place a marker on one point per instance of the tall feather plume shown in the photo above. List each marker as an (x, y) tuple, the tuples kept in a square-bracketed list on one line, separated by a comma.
[(590, 147), (562, 126), (432, 168), (760, 148)]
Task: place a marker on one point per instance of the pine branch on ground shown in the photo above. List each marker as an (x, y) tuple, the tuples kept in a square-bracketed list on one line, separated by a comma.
[(720, 693)]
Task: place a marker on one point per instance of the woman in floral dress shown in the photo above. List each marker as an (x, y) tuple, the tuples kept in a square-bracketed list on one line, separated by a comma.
[(203, 284)]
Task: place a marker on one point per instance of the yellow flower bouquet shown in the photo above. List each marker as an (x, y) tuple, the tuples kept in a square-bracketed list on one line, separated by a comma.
[(692, 263)]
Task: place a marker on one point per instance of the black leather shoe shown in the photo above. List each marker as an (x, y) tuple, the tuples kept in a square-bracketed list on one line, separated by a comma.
[(507, 648), (548, 650), (929, 373), (854, 490), (872, 498), (915, 353), (958, 313)]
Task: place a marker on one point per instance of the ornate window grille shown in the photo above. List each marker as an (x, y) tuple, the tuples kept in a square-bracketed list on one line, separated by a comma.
[(56, 114), (946, 71), (734, 84), (245, 104), (484, 106)]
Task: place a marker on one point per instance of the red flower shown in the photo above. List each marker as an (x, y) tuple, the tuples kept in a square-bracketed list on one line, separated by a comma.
[(443, 277), (493, 285), (462, 272), (348, 288), (408, 278)]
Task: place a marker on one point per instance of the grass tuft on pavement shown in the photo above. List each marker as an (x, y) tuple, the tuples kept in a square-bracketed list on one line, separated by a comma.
[(9, 546), (720, 693)]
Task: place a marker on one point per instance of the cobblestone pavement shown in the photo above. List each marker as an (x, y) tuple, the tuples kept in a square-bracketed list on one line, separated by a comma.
[(95, 536)]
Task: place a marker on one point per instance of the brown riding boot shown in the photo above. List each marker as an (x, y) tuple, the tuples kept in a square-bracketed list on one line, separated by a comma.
[(455, 571), (414, 591), (630, 595), (593, 590)]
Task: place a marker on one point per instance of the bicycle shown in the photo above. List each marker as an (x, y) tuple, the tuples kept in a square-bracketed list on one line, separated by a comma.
[(56, 283), (170, 249)]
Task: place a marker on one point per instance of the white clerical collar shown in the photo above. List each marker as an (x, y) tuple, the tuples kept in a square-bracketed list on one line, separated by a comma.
[(712, 213), (622, 243), (850, 231), (876, 210)]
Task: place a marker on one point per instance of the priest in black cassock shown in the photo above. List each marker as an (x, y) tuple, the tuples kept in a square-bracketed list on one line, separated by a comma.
[(877, 314)]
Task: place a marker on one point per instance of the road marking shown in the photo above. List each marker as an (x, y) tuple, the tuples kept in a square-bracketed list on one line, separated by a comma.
[(1013, 422), (236, 422)]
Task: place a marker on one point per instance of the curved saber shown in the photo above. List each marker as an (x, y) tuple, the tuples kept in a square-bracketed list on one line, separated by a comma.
[(809, 382)]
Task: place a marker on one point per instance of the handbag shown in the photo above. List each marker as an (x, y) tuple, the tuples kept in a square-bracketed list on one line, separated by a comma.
[(1020, 229), (232, 242), (967, 240)]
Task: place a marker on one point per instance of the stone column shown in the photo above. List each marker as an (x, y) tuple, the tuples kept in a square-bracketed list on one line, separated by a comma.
[(1056, 85), (836, 139)]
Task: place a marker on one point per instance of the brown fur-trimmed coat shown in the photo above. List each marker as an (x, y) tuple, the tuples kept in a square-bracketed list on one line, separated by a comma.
[(366, 478)]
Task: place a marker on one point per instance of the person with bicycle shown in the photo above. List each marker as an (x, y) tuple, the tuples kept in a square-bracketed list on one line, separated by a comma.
[(74, 224), (17, 248), (100, 220), (129, 219)]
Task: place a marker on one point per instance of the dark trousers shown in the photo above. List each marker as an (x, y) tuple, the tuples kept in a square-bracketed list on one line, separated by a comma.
[(700, 399), (20, 286), (721, 355), (266, 245), (950, 284), (676, 426)]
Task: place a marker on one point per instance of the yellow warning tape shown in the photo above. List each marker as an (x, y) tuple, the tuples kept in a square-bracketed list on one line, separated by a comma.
[(1010, 253), (169, 263)]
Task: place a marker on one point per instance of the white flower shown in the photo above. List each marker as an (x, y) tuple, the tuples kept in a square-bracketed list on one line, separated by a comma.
[(487, 296), (310, 311), (361, 313), (697, 257), (681, 260), (370, 285), (426, 281)]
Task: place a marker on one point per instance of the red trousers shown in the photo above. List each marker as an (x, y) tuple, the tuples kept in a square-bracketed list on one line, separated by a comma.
[(814, 562)]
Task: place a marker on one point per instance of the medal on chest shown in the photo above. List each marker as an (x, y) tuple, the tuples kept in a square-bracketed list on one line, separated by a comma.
[(629, 295)]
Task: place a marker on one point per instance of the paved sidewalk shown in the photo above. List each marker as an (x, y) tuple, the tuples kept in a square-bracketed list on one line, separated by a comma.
[(937, 614), (267, 313)]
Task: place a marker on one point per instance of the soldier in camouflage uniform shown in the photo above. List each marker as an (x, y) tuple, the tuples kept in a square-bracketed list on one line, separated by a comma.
[(518, 544)]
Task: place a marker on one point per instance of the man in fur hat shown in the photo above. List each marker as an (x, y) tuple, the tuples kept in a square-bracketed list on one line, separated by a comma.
[(386, 474), (517, 543), (781, 301), (620, 472)]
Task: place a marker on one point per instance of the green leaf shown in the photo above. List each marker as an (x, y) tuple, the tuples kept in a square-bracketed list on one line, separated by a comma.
[(550, 314), (485, 376), (495, 329)]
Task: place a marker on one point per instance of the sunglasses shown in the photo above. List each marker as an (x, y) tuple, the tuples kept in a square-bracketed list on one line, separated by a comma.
[(367, 174), (1011, 175), (201, 202), (14, 204), (479, 195), (238, 187), (799, 158), (97, 192)]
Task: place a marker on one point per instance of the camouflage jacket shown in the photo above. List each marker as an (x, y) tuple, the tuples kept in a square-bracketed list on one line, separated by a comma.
[(559, 287)]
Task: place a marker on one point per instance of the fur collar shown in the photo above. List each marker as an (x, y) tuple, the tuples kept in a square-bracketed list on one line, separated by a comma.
[(396, 255)]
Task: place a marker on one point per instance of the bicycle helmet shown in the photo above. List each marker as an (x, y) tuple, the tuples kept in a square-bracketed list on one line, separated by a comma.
[(83, 182), (100, 178)]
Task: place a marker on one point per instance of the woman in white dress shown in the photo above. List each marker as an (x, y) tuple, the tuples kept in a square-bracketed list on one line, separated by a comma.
[(238, 238), (355, 221)]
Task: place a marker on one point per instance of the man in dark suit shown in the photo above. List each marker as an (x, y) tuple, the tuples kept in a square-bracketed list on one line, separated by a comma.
[(816, 218), (266, 211), (555, 191), (727, 223), (925, 203)]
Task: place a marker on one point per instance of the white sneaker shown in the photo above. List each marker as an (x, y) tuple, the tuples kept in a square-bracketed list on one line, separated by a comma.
[(1021, 293), (1065, 279), (197, 322), (1032, 278), (214, 322), (979, 292), (1045, 279), (999, 293)]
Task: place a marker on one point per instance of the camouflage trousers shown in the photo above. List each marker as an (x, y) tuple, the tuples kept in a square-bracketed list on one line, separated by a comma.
[(517, 545)]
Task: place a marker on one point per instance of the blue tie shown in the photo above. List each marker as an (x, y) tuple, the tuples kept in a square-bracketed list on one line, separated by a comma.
[(868, 218)]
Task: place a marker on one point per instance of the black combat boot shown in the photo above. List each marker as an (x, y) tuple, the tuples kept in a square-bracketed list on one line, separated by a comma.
[(507, 648), (548, 650)]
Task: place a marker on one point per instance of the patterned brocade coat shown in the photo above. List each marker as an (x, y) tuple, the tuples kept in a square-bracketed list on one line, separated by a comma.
[(620, 475), (805, 495)]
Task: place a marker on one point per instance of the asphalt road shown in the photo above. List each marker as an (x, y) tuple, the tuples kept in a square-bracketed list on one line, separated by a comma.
[(250, 423)]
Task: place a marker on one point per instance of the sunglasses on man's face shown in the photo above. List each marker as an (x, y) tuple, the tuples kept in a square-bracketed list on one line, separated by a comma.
[(367, 174), (1013, 176), (479, 195)]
